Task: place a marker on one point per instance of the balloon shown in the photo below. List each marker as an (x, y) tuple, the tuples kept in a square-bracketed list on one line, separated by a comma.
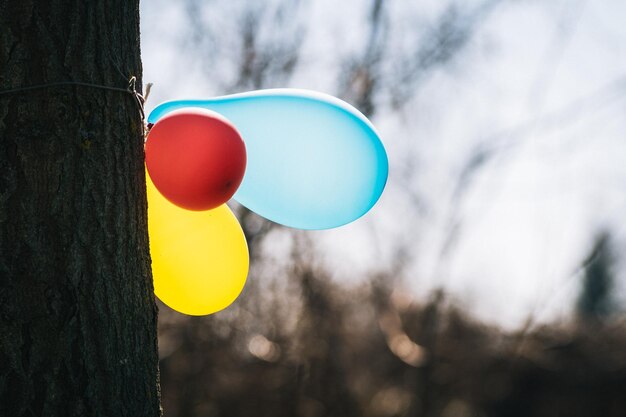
[(199, 258), (196, 158), (314, 161)]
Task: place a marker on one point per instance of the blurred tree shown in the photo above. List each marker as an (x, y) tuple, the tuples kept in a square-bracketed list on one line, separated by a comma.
[(77, 312), (322, 377), (594, 302)]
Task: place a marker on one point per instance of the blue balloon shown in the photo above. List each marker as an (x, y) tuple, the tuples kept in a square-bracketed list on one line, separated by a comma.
[(314, 161)]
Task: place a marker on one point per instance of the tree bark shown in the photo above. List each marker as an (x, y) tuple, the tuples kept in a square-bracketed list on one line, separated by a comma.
[(77, 311)]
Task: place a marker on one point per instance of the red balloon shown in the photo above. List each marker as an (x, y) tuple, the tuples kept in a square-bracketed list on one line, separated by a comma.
[(195, 158)]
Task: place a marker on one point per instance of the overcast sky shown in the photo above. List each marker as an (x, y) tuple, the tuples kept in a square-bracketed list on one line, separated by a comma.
[(540, 85)]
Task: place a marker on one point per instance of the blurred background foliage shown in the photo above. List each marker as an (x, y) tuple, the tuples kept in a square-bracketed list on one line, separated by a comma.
[(390, 331)]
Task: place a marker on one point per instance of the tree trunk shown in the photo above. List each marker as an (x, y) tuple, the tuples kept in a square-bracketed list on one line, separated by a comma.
[(77, 311)]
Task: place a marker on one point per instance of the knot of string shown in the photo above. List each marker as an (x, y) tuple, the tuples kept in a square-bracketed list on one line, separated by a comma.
[(130, 89)]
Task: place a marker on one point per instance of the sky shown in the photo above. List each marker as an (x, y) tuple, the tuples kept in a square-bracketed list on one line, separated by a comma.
[(541, 85)]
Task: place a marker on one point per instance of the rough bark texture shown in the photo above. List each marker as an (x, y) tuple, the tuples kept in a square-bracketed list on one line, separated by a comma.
[(77, 312)]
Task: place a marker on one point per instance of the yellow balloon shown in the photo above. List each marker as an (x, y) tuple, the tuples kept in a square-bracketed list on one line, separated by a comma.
[(199, 258)]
